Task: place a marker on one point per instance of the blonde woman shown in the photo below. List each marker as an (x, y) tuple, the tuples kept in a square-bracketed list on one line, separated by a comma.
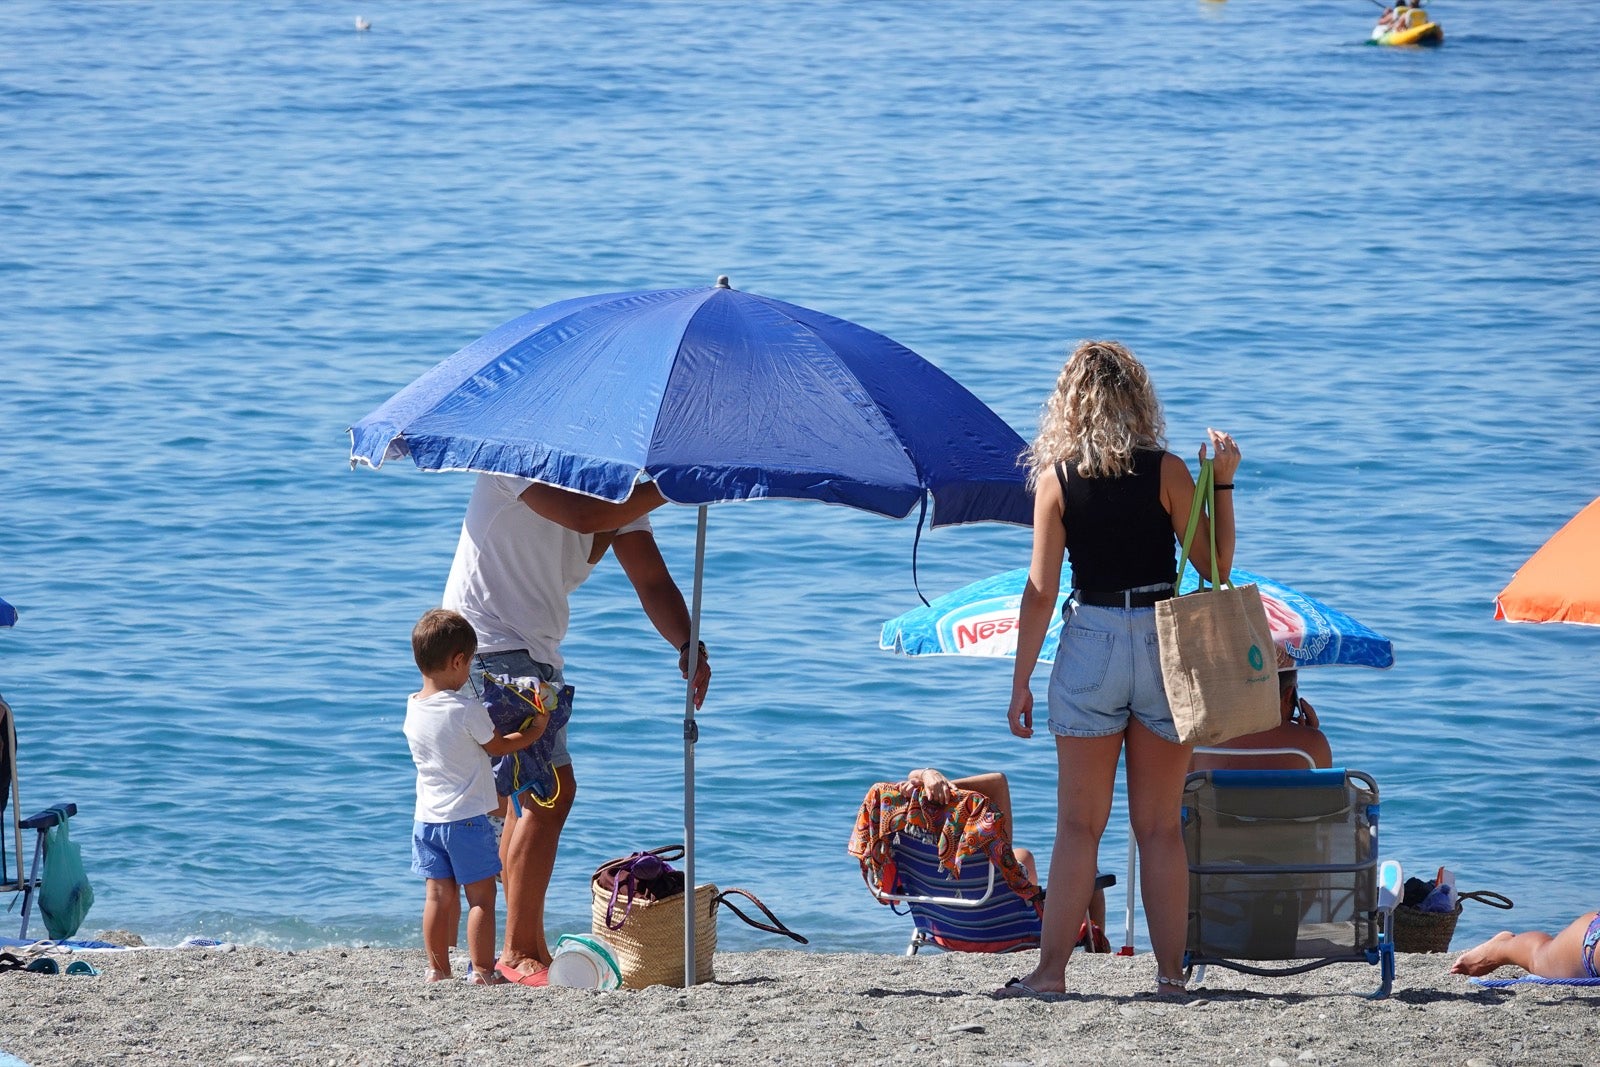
[(1109, 497)]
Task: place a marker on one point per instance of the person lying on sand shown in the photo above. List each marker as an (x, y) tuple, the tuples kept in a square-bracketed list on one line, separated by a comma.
[(1569, 954)]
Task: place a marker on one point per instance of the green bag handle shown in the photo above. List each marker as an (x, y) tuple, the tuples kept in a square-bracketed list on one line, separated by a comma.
[(1204, 492)]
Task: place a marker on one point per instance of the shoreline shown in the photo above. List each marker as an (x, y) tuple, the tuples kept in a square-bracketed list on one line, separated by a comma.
[(773, 1006)]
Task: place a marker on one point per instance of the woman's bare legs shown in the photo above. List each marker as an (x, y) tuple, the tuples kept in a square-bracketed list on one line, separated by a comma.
[(1156, 770), (1536, 952), (1086, 770)]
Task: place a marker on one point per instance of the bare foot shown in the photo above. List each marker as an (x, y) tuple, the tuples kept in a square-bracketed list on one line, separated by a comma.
[(436, 975), (1483, 958)]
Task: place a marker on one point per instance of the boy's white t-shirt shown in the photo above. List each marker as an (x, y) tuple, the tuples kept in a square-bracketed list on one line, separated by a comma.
[(447, 732), (514, 570)]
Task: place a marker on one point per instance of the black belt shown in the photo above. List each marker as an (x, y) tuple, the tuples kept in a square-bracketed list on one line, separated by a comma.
[(1122, 598)]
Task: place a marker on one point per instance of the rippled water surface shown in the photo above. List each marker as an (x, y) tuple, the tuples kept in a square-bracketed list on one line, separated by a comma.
[(228, 231)]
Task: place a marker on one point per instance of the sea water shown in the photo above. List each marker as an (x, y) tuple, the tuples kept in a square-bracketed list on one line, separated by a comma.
[(228, 231)]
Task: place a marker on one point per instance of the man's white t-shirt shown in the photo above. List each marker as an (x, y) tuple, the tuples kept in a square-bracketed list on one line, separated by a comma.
[(514, 570), (447, 732)]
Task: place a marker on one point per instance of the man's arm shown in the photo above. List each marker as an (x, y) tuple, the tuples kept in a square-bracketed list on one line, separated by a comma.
[(585, 514), (660, 597)]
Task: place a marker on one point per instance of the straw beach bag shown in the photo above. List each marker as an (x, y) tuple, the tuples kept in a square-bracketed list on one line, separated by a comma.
[(1416, 930), (637, 906), (1217, 658)]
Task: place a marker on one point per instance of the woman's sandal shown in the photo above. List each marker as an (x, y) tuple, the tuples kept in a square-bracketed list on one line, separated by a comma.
[(1016, 987)]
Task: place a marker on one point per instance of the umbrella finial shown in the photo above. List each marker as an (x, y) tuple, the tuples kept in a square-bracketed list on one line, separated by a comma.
[(722, 282)]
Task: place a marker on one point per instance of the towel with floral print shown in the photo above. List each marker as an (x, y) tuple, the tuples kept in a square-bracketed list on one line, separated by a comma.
[(968, 826)]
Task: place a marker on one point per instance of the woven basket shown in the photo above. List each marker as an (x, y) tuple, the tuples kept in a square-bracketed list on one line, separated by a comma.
[(649, 947), (1424, 931)]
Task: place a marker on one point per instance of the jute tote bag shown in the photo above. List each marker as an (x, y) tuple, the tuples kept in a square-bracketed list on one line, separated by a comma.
[(1217, 657)]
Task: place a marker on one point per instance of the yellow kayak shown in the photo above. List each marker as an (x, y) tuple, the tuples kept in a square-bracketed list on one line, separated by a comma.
[(1428, 33)]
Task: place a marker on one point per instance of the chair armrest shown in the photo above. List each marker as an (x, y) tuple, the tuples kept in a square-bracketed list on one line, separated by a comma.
[(49, 817), (953, 902)]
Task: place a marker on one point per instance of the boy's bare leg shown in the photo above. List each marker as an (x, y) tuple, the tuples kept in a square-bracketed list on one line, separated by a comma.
[(480, 928), (1534, 951), (530, 858), (441, 917)]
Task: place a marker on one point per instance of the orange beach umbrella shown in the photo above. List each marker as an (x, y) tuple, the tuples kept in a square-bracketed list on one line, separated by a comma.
[(1561, 581)]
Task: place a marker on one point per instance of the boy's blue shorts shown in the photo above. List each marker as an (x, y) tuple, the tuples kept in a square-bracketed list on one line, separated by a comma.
[(463, 851)]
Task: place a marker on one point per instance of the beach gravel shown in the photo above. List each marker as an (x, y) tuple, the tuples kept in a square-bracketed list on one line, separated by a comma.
[(339, 1007)]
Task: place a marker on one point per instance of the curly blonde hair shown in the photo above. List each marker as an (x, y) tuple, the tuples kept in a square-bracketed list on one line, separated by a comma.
[(1102, 409)]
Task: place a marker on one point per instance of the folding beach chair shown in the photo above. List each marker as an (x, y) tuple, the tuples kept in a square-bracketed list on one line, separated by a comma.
[(1283, 866), (1295, 755), (12, 878), (988, 906)]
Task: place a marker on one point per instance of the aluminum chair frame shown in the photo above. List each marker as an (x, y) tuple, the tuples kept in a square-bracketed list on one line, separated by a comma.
[(41, 822), (1378, 918)]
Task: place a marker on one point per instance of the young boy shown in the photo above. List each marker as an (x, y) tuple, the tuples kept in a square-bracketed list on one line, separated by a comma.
[(451, 739)]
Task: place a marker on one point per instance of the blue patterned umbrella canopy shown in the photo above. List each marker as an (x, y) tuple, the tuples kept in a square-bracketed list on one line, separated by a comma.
[(981, 620), (717, 395)]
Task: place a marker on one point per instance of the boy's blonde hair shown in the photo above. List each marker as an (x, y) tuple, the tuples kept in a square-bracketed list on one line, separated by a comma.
[(438, 637)]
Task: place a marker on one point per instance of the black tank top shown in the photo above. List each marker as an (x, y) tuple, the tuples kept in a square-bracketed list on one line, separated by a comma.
[(1118, 534)]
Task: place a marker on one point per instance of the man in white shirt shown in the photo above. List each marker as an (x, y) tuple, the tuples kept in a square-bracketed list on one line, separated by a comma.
[(524, 548)]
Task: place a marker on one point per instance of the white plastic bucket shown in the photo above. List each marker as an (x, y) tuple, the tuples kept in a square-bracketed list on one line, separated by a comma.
[(584, 962)]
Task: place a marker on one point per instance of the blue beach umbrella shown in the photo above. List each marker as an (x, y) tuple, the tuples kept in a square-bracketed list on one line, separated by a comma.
[(716, 395), (8, 614), (980, 619)]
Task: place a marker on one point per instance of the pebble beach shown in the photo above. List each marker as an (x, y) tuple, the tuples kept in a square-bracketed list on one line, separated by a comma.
[(369, 1006)]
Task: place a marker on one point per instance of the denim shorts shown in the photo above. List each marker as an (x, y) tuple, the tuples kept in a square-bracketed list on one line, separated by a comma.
[(520, 667), (463, 851), (1107, 671)]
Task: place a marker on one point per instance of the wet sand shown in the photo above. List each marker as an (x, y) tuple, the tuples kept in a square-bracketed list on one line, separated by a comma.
[(370, 1006)]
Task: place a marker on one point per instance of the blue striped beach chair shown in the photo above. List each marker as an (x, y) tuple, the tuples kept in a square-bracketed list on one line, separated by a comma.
[(975, 911)]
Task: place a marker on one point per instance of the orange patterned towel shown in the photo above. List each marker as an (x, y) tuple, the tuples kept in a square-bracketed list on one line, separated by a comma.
[(968, 826)]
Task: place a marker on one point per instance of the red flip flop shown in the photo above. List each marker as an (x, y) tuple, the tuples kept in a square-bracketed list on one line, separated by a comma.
[(541, 977)]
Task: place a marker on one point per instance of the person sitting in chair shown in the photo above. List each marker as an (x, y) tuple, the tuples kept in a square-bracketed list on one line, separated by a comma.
[(1091, 936), (1298, 729)]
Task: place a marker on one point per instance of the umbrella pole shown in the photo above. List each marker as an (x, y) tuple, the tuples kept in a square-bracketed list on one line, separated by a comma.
[(691, 734), (1127, 916)]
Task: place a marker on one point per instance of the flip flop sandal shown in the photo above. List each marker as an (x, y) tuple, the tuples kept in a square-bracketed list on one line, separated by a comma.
[(43, 965), (81, 967), (1016, 987), (10, 962), (515, 977)]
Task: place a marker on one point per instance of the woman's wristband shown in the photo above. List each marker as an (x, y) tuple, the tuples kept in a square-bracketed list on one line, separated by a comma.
[(1218, 488), (683, 649)]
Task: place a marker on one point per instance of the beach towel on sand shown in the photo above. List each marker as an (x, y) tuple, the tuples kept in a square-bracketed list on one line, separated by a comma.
[(968, 826)]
